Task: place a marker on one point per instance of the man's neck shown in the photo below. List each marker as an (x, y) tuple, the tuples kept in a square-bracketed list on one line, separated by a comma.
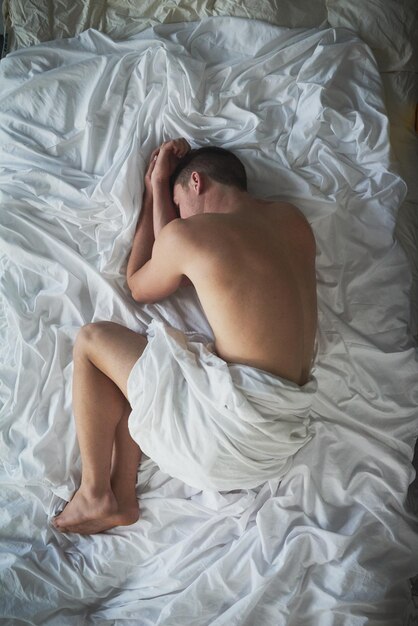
[(224, 199)]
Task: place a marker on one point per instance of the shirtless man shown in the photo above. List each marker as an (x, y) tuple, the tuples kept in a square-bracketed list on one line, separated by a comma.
[(252, 263)]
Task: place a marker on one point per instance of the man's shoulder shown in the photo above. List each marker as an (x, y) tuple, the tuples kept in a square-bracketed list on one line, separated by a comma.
[(175, 229), (281, 207), (188, 228), (286, 211), (177, 235)]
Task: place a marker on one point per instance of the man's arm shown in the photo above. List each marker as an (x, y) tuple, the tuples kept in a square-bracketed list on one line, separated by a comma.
[(168, 155), (157, 206), (144, 234), (163, 273)]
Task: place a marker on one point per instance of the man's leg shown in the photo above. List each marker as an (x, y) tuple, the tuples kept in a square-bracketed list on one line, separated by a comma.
[(104, 355), (125, 461)]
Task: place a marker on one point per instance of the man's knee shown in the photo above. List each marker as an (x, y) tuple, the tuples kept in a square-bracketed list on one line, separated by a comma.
[(91, 335), (111, 348)]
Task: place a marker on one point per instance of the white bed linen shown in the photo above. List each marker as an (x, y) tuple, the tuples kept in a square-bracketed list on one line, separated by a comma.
[(215, 426), (332, 543)]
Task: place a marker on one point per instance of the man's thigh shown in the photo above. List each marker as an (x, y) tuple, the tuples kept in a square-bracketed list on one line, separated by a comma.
[(112, 348)]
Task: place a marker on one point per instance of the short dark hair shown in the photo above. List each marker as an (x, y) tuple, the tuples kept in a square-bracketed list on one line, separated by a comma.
[(217, 163)]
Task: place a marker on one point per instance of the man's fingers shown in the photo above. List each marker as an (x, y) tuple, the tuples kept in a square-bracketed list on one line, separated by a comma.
[(153, 159), (154, 155), (152, 162), (182, 147), (151, 166), (163, 160), (179, 147)]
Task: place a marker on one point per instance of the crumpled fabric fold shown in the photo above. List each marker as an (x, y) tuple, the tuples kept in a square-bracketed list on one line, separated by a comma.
[(212, 424)]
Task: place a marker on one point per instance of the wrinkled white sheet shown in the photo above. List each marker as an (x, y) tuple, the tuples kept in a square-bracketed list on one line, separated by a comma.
[(332, 543), (212, 425), (27, 25)]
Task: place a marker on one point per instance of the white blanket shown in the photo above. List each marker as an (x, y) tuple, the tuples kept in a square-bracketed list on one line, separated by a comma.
[(332, 544), (210, 424)]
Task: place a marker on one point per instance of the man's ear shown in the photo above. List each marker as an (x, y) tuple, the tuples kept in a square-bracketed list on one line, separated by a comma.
[(197, 182)]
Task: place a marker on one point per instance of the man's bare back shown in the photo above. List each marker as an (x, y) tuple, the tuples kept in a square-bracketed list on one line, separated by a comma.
[(252, 263), (254, 273)]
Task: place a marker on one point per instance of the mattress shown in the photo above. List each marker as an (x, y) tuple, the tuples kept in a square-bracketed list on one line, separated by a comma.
[(332, 542)]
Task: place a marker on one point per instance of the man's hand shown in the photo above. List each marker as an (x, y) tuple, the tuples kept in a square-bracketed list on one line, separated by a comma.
[(148, 173), (157, 205), (164, 160)]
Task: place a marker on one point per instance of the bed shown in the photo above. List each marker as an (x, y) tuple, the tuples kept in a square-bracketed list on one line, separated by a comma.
[(321, 110)]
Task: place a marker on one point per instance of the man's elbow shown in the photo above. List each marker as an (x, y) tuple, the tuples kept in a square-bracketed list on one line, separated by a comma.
[(139, 296), (142, 296), (131, 286), (136, 293)]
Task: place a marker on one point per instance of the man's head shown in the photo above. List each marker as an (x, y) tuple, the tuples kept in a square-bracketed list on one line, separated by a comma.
[(210, 163)]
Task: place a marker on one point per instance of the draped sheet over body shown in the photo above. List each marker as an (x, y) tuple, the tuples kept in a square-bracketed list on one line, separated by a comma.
[(214, 425)]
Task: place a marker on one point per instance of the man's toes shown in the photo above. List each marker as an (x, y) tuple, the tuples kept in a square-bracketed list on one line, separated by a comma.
[(57, 522)]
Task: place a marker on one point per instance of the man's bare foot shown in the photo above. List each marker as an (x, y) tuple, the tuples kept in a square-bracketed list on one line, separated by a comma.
[(88, 515)]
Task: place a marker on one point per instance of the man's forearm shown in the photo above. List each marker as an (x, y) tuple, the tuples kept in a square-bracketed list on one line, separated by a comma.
[(166, 159), (144, 238), (164, 210)]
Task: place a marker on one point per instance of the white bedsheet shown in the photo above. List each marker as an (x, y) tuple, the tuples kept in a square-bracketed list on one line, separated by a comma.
[(332, 543), (213, 425)]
